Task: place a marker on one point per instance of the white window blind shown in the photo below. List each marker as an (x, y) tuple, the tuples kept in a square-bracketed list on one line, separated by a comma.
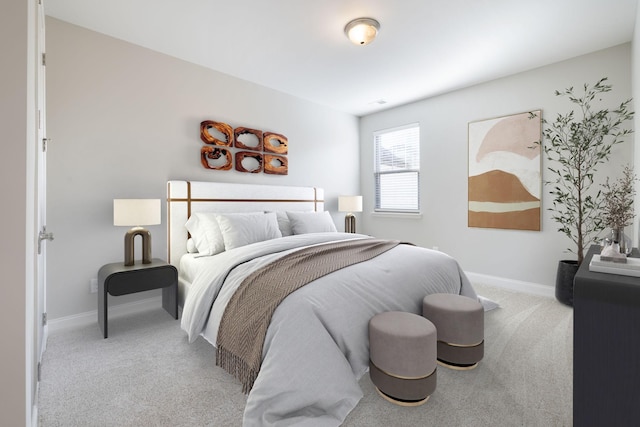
[(397, 169)]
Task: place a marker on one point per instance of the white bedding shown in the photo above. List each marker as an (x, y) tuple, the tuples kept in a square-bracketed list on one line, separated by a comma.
[(189, 264), (316, 347)]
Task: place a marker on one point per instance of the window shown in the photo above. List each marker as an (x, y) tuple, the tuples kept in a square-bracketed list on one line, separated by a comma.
[(397, 169)]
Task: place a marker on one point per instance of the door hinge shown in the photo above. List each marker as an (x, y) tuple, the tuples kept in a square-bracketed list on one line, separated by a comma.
[(45, 142), (39, 371), (44, 319), (44, 59)]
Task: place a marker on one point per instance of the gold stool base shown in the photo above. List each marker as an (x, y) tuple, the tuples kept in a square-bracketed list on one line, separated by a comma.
[(402, 402), (457, 367)]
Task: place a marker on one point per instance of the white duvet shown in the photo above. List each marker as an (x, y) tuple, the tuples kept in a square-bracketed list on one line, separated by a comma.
[(316, 347)]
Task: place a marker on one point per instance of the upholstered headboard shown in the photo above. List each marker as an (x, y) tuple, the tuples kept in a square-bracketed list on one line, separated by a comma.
[(187, 197)]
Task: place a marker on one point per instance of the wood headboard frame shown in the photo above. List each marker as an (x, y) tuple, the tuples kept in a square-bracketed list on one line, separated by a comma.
[(187, 197)]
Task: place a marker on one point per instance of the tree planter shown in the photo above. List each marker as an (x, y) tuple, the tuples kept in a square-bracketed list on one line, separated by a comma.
[(567, 270)]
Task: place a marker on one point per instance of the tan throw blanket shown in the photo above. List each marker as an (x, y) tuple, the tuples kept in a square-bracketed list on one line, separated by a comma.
[(247, 316)]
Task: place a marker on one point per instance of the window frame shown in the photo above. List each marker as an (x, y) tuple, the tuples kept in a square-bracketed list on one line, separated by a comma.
[(378, 173)]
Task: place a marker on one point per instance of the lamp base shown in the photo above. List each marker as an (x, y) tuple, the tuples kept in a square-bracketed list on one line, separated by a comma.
[(129, 249), (349, 223)]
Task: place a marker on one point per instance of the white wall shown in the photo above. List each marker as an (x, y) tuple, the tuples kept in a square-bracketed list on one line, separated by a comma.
[(125, 119), (635, 81), (17, 106), (522, 255)]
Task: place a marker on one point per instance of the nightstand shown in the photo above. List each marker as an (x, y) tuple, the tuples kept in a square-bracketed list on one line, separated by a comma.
[(118, 279)]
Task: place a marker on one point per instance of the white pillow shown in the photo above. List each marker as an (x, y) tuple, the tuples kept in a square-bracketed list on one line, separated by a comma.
[(191, 246), (197, 235), (283, 223), (205, 232), (244, 228), (311, 222)]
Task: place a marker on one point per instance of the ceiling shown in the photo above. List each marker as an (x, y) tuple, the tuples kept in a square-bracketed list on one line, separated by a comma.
[(424, 47)]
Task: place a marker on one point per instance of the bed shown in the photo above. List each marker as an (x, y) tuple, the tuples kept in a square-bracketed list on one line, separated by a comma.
[(314, 349)]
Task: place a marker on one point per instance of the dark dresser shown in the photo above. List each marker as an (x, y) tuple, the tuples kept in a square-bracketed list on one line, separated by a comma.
[(606, 347)]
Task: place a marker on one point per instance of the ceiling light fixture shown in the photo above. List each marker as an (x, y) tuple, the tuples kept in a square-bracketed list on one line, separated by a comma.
[(362, 31)]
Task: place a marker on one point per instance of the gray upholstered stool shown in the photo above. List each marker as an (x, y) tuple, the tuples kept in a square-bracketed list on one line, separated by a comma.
[(460, 324), (402, 357)]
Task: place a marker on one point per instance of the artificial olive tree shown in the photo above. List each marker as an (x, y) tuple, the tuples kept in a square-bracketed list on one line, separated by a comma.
[(575, 144)]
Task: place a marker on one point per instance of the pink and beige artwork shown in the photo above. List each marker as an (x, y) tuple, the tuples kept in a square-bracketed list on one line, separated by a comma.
[(505, 181)]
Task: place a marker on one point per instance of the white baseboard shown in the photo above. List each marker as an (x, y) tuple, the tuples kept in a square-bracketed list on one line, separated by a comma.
[(89, 317), (45, 337), (34, 414), (512, 284)]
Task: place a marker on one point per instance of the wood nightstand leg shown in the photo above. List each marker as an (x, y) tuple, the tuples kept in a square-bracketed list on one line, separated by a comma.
[(170, 300), (102, 310)]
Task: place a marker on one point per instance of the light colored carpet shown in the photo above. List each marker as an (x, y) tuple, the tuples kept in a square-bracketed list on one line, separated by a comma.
[(145, 374)]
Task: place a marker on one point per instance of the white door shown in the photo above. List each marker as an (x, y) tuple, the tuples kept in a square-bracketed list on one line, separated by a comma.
[(41, 201)]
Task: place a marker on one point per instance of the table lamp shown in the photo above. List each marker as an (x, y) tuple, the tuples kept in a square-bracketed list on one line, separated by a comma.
[(136, 213), (350, 204)]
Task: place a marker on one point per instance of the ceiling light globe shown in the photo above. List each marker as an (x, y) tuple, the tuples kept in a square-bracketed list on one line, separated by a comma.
[(362, 31)]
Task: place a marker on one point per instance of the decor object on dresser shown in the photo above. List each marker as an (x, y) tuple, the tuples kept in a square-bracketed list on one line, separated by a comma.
[(575, 146), (116, 279), (618, 209), (615, 262), (504, 172), (350, 204), (253, 150), (460, 324), (136, 213), (402, 357)]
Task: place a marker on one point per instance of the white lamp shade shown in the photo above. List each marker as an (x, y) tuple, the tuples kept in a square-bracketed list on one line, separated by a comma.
[(136, 212), (350, 203)]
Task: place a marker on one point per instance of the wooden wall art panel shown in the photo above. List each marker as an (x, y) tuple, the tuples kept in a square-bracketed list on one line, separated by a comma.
[(275, 165), (275, 143), (208, 153), (239, 132), (250, 149), (242, 155), (223, 128)]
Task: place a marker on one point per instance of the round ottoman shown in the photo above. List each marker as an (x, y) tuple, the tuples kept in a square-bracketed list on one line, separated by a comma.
[(460, 324), (402, 357)]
